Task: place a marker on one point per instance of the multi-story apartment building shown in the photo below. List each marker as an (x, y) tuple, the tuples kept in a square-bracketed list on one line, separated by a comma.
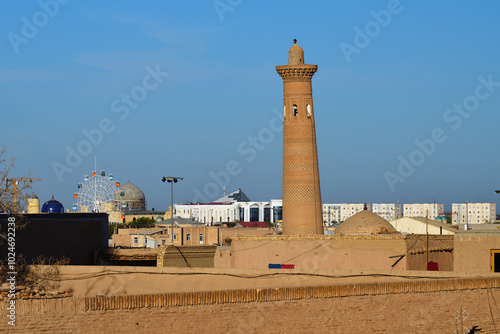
[(433, 210), (340, 212), (349, 209), (388, 211), (331, 213), (473, 213)]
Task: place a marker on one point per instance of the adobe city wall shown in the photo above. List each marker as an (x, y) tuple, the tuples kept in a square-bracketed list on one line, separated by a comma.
[(390, 307), (115, 281)]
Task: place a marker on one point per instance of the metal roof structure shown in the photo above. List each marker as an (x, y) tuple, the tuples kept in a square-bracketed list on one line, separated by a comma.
[(178, 222), (236, 196)]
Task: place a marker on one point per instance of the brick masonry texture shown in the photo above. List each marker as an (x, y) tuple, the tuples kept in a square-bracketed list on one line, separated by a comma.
[(301, 187), (398, 307)]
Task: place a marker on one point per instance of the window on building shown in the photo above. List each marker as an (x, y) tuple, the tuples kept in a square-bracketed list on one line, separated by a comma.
[(135, 240), (163, 242), (295, 110), (175, 236), (188, 237), (201, 238), (254, 214)]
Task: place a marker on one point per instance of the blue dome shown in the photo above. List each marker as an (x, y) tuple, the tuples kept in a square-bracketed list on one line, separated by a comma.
[(53, 206)]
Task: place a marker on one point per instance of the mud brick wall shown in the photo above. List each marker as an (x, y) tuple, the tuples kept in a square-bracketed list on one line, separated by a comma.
[(395, 307)]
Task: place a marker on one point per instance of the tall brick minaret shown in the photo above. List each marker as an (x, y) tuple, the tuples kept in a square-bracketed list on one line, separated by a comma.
[(301, 191)]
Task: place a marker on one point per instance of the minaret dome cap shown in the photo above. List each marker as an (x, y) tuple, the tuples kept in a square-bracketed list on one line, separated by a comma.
[(296, 54)]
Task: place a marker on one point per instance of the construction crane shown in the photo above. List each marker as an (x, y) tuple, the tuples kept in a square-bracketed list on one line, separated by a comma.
[(14, 182)]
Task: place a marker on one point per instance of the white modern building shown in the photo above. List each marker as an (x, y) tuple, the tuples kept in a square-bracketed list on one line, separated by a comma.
[(331, 213), (208, 213), (419, 225), (342, 211), (473, 213), (388, 211), (430, 210), (235, 207), (349, 209)]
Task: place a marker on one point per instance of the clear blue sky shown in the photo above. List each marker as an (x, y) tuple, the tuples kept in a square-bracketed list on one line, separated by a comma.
[(68, 68)]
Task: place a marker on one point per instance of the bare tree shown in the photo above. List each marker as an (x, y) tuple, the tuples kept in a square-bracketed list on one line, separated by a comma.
[(14, 192), (14, 195)]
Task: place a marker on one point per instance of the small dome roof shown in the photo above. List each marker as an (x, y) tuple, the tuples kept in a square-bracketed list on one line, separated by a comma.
[(365, 222), (129, 192), (52, 206), (295, 54)]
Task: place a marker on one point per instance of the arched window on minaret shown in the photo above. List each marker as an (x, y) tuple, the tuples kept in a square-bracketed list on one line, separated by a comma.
[(308, 110), (295, 110)]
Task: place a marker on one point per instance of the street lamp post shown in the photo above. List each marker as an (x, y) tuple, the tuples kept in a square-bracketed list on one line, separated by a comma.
[(172, 180)]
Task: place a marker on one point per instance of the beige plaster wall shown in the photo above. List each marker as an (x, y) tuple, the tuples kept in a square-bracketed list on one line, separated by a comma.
[(440, 251), (473, 251), (226, 232), (341, 253), (120, 240), (121, 280), (222, 257)]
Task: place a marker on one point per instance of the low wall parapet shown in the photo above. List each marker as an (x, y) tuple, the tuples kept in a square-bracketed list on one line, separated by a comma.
[(105, 303)]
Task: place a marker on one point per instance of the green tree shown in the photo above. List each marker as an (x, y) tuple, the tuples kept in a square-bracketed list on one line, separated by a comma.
[(143, 221)]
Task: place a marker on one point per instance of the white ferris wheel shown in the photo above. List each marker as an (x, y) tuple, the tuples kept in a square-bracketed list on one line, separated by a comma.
[(95, 194)]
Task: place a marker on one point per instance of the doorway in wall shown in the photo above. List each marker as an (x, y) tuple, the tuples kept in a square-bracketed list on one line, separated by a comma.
[(495, 260)]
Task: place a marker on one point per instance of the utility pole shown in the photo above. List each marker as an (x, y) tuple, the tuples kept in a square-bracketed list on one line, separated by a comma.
[(466, 216), (172, 180), (427, 241)]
